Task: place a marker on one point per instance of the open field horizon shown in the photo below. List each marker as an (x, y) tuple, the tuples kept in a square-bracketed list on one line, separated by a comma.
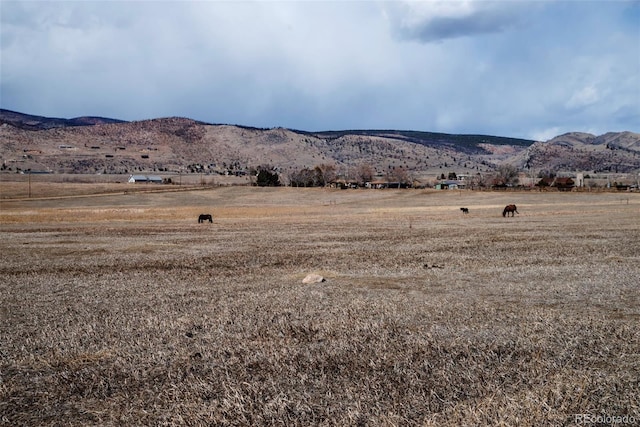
[(121, 309)]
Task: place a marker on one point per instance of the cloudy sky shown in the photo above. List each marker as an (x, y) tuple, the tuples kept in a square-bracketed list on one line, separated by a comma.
[(530, 69)]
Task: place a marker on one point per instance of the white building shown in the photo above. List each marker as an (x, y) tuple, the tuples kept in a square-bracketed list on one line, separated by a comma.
[(145, 179)]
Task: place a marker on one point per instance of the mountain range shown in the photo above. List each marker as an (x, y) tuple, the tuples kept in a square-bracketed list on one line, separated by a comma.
[(170, 145)]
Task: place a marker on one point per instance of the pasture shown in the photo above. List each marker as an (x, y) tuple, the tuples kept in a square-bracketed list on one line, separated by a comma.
[(122, 309)]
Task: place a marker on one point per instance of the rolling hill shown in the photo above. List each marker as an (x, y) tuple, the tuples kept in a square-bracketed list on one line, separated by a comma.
[(102, 145)]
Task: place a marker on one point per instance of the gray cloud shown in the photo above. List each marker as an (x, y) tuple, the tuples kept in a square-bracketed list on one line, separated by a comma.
[(441, 20), (503, 68)]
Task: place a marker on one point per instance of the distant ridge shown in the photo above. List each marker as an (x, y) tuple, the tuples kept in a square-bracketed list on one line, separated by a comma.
[(31, 122), (467, 143), (176, 144)]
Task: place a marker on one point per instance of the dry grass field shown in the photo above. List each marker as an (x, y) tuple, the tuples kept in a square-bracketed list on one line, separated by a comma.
[(120, 309)]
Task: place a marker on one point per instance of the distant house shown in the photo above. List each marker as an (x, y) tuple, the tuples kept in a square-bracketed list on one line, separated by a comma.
[(383, 183), (343, 184), (145, 179), (378, 183), (450, 184), (562, 184)]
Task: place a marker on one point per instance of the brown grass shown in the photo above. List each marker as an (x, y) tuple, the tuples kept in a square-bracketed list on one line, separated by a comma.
[(122, 310)]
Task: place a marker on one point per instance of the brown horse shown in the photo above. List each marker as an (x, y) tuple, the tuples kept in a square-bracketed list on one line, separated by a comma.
[(205, 217), (510, 208)]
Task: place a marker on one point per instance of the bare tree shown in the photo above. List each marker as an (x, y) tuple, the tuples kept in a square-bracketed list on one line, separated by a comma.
[(507, 175), (324, 174), (302, 178), (399, 175), (364, 173)]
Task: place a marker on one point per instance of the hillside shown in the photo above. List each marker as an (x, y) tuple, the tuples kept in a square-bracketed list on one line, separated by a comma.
[(608, 153), (171, 145)]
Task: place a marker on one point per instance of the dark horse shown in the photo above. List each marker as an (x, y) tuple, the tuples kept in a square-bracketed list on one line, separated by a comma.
[(205, 217), (509, 208), (465, 210)]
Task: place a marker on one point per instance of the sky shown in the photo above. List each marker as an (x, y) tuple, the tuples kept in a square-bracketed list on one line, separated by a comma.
[(523, 69)]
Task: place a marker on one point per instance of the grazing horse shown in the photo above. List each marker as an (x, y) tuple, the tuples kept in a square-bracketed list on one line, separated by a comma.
[(465, 210), (205, 217), (510, 208)]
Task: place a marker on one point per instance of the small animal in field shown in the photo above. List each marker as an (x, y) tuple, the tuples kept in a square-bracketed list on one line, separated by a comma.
[(205, 217), (510, 209), (465, 210)]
